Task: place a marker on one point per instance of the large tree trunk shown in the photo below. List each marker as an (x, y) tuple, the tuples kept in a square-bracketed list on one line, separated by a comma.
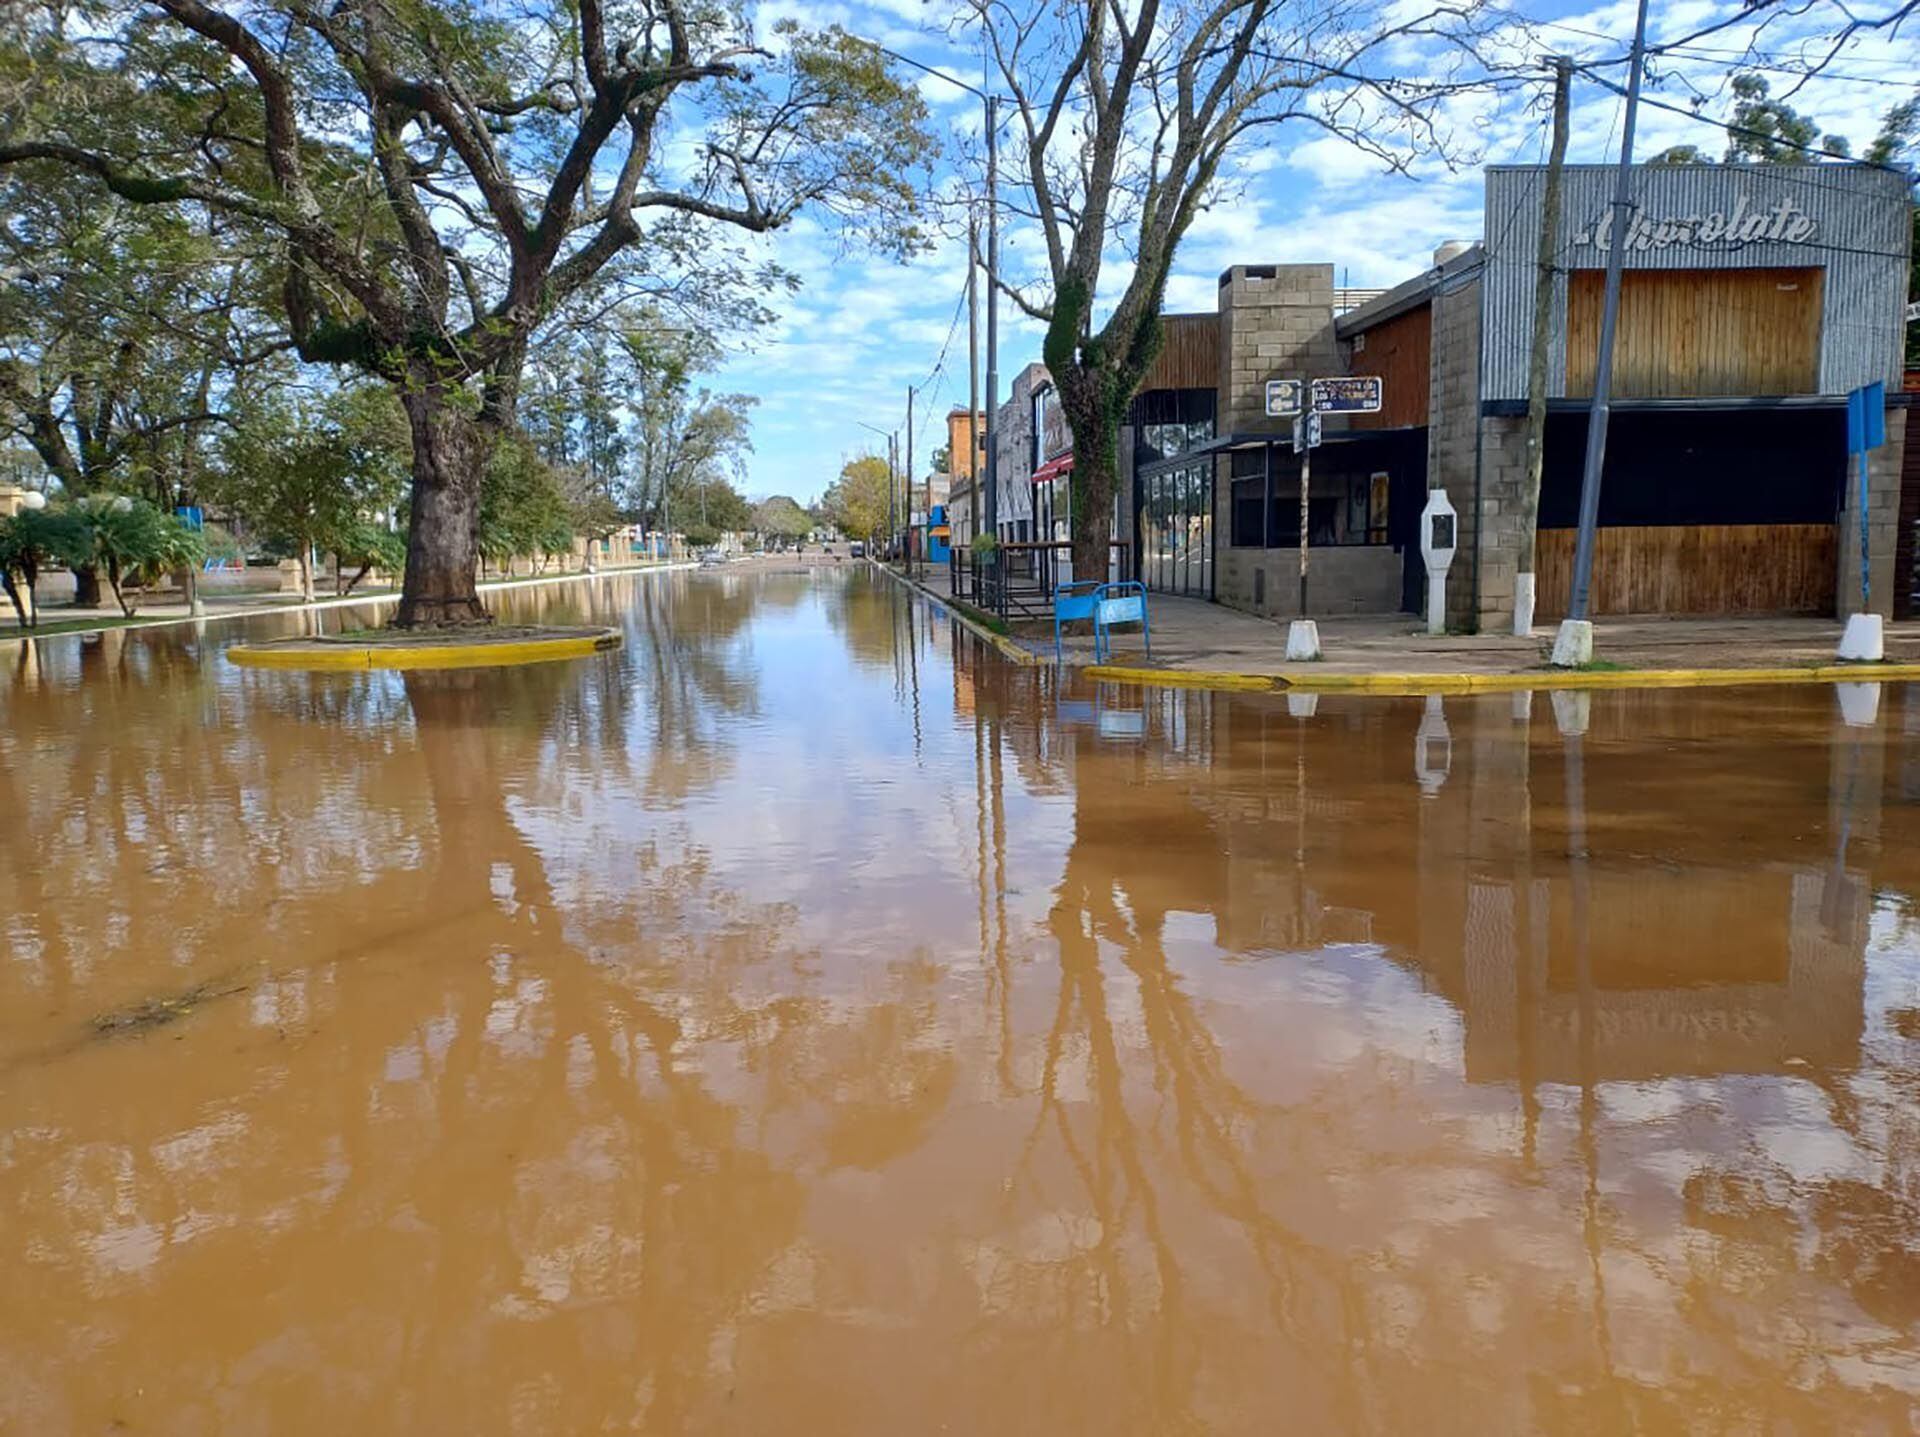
[(1096, 443), (86, 587), (443, 532)]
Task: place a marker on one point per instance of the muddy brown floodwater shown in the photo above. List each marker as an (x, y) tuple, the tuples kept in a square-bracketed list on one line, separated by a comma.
[(801, 1022)]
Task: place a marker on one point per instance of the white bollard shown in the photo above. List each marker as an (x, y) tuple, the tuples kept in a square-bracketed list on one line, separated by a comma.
[(1303, 641), (1522, 605), (1573, 645), (1302, 706), (1864, 641)]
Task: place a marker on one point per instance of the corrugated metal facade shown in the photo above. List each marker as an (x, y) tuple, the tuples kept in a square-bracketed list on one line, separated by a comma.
[(1850, 220)]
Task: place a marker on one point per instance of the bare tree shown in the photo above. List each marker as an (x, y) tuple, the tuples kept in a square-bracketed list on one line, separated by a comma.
[(1126, 115)]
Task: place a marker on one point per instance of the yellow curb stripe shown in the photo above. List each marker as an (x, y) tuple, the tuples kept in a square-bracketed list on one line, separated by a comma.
[(355, 657), (1414, 683), (1184, 679)]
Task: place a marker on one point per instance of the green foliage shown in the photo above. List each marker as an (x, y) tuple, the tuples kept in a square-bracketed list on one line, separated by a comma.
[(856, 502), (1774, 132), (32, 540), (782, 518), (365, 545), (524, 512), (310, 477), (134, 542)]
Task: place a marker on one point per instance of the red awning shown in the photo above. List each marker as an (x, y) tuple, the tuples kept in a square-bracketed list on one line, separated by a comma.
[(1054, 468)]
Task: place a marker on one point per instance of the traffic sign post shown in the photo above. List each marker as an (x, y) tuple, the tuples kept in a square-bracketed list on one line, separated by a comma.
[(1864, 638), (1306, 438)]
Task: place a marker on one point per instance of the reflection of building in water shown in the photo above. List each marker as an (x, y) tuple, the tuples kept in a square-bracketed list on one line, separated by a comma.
[(1569, 896)]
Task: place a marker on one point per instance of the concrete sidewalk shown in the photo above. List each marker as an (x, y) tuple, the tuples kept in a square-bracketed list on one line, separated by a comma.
[(1198, 641)]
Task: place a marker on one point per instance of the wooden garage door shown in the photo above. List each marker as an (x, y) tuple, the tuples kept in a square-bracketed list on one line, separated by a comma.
[(1687, 332), (1695, 569)]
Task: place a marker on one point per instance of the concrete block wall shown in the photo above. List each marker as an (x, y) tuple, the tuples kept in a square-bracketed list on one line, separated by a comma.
[(1340, 581), (1454, 415), (1883, 514), (1503, 478), (1276, 322)]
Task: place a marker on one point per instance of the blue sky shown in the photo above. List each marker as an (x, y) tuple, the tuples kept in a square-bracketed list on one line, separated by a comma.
[(861, 330)]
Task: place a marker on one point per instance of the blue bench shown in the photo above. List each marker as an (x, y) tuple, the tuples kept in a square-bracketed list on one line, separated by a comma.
[(1105, 605), (1122, 603), (1076, 599)]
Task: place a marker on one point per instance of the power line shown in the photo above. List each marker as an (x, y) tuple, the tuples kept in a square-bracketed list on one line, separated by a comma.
[(1733, 129)]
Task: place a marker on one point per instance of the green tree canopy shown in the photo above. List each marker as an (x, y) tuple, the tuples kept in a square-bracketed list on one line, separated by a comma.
[(856, 502), (782, 518), (308, 476), (133, 541)]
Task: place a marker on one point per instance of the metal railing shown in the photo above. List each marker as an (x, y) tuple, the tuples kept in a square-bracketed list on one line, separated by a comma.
[(1016, 581)]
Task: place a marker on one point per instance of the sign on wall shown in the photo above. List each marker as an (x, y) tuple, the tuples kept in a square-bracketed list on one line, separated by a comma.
[(1349, 394), (1740, 223)]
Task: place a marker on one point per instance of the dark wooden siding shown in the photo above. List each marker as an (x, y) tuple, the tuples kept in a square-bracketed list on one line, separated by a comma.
[(1400, 351), (1697, 332), (1696, 569), (1190, 354)]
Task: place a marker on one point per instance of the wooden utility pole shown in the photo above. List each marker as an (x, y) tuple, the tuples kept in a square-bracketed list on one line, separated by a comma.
[(909, 481), (1545, 270), (973, 377)]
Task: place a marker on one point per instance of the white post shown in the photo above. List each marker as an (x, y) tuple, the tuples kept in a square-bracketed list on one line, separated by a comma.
[(1439, 538)]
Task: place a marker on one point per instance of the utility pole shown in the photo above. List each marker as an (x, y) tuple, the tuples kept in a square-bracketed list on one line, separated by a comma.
[(912, 566), (973, 373), (893, 487), (1574, 644), (993, 320), (1545, 271)]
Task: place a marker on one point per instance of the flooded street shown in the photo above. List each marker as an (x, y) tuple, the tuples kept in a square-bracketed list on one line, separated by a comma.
[(801, 1021)]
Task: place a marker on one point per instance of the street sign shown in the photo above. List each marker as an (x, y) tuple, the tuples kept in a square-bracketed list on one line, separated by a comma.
[(1348, 394), (1283, 398), (1867, 418), (1307, 430)]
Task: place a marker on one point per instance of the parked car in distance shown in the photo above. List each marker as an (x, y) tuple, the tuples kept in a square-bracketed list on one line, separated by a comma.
[(856, 550)]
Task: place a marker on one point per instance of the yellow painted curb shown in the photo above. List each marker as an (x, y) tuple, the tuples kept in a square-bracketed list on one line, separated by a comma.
[(1185, 679), (1410, 683), (333, 657)]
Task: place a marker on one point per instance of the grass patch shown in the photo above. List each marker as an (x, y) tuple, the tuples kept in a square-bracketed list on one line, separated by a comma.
[(1591, 666), (47, 630), (980, 616)]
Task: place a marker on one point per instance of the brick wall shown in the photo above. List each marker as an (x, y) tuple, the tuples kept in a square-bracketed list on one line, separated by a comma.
[(1453, 406), (1276, 322), (1883, 512), (1346, 580)]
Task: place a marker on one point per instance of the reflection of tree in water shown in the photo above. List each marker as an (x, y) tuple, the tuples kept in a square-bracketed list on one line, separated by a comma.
[(872, 618), (497, 1168), (1159, 1140), (696, 679)]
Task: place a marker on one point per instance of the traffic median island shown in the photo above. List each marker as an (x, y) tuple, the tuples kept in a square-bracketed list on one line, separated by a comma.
[(501, 647)]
